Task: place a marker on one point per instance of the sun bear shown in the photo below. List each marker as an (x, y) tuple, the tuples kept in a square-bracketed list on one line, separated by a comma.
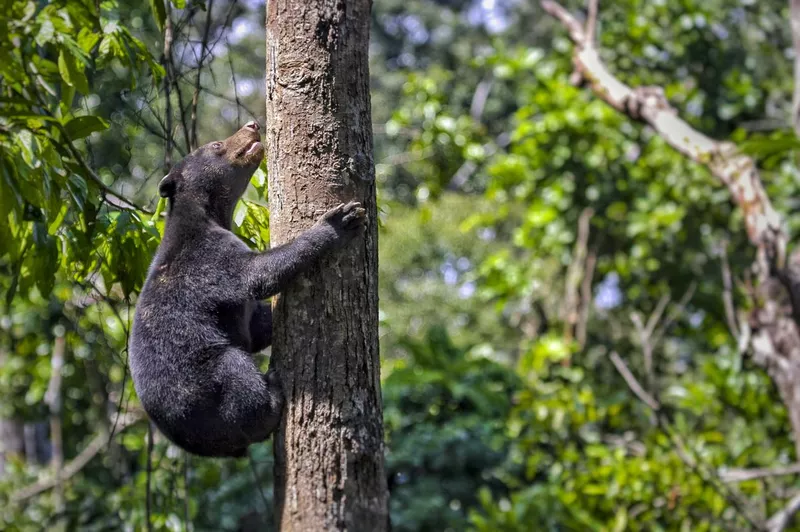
[(201, 313)]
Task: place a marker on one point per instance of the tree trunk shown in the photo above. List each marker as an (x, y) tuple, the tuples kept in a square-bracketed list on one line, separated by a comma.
[(12, 432), (329, 450), (12, 441), (54, 401)]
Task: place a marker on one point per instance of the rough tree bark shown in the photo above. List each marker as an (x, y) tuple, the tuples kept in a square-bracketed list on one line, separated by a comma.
[(329, 450)]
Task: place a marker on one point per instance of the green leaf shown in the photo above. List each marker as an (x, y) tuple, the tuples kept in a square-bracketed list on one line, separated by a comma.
[(83, 126), (239, 213), (46, 32), (53, 226), (43, 261), (67, 97), (180, 4), (27, 142), (766, 146), (259, 178), (159, 12), (71, 73), (87, 39)]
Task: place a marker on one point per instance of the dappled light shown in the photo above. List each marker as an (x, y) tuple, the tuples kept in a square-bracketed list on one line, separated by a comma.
[(566, 295)]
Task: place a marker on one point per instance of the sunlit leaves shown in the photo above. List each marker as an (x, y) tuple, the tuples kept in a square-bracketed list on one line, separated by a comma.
[(123, 251), (50, 204), (71, 73), (588, 454), (251, 222), (159, 12)]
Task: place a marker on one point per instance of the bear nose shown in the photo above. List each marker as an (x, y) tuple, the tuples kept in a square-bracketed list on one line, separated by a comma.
[(253, 125)]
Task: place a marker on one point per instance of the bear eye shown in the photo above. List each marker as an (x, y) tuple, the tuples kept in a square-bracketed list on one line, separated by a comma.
[(216, 145)]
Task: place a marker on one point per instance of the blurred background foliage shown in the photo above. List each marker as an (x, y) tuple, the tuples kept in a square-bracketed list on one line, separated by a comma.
[(529, 231)]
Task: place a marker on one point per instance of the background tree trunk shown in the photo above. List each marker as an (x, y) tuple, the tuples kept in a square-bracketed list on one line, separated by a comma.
[(12, 433), (329, 451), (12, 441)]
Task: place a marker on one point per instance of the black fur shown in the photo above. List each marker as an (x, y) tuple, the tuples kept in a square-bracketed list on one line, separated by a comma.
[(201, 313)]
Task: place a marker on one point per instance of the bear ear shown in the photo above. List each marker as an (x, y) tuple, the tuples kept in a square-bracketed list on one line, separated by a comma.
[(166, 188)]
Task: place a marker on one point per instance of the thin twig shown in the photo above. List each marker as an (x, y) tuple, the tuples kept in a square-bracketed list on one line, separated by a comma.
[(215, 94), (113, 198), (468, 168), (655, 317), (187, 518), (646, 344), (633, 383), (235, 86), (258, 482), (203, 53), (675, 313), (109, 195), (707, 475), (407, 157), (479, 98), (727, 291), (148, 503), (166, 61), (182, 108)]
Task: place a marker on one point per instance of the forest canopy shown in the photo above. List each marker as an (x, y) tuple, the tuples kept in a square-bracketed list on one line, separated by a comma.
[(589, 298)]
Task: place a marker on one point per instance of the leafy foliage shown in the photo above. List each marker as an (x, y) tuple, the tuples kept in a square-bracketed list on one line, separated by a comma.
[(499, 415), (54, 211), (445, 412)]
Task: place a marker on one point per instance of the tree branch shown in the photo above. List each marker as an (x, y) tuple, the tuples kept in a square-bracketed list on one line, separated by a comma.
[(780, 520), (775, 340), (175, 80), (223, 97), (54, 402), (575, 272), (109, 195), (591, 22), (586, 298), (659, 332), (633, 383), (468, 168), (479, 98), (706, 474), (742, 475), (235, 86), (148, 501), (738, 172)]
